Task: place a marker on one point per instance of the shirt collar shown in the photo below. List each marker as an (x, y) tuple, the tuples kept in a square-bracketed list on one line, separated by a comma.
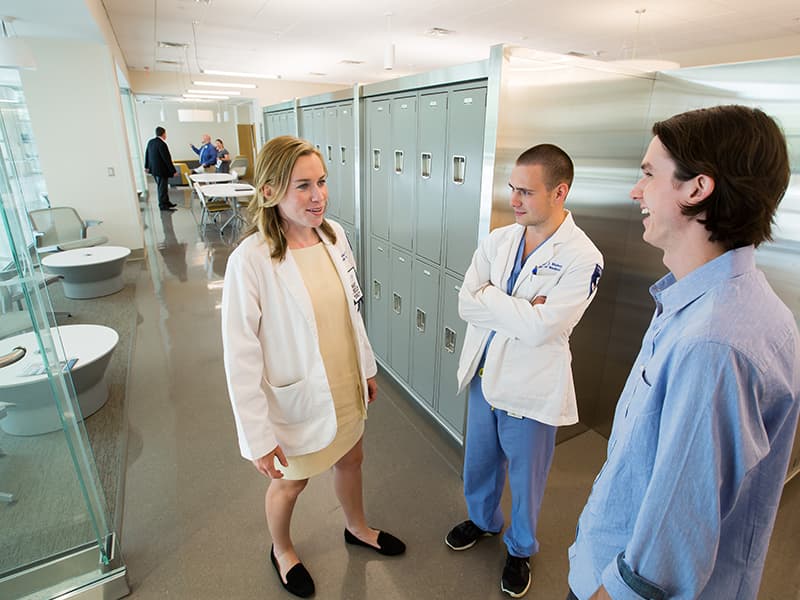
[(671, 294)]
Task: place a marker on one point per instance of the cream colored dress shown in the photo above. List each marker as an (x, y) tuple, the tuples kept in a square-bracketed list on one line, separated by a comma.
[(338, 347)]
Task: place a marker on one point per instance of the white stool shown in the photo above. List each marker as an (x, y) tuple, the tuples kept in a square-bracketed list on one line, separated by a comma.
[(89, 272)]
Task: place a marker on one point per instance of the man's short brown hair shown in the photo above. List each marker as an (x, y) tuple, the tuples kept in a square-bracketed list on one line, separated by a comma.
[(744, 151)]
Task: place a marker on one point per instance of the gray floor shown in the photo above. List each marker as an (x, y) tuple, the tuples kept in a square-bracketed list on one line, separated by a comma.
[(193, 518)]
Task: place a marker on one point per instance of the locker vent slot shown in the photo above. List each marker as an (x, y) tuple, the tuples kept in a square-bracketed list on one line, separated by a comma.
[(376, 159), (397, 303), (425, 169), (449, 340), (459, 168), (398, 162), (420, 320)]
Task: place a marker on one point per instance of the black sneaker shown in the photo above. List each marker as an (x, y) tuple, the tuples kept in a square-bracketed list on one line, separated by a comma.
[(516, 576), (464, 535)]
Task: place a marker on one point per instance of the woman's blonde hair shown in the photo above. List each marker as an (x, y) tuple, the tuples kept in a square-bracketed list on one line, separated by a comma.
[(274, 166)]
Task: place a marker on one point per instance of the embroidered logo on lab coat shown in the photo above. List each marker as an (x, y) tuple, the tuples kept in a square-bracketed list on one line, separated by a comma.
[(598, 272), (548, 268)]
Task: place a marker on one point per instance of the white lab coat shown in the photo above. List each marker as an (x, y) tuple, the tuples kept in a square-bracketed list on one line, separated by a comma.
[(528, 366), (276, 378)]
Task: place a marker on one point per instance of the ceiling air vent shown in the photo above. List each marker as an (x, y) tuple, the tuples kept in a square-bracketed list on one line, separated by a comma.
[(439, 32), (351, 62), (168, 62)]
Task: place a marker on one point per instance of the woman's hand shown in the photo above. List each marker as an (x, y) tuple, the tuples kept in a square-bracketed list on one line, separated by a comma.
[(266, 464), (372, 389)]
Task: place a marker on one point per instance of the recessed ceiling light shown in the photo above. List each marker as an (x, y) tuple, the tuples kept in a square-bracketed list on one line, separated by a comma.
[(206, 96), (172, 45), (215, 92), (316, 74), (351, 62), (248, 86), (167, 62)]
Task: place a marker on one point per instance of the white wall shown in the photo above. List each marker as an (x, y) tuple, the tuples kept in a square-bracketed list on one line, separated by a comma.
[(180, 135), (78, 123)]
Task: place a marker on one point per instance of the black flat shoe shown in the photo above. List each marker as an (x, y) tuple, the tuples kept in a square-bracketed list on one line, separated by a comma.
[(298, 580), (388, 544)]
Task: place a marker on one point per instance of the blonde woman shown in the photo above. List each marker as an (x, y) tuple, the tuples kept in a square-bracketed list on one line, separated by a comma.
[(299, 366)]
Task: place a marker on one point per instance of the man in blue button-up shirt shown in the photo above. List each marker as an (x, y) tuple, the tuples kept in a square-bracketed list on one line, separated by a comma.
[(685, 504)]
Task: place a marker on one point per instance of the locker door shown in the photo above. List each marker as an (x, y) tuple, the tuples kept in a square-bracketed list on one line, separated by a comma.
[(281, 126), (291, 126), (400, 313), (378, 165), (330, 142), (450, 406), (378, 296), (403, 167), (346, 158), (465, 129), (319, 129), (307, 124), (424, 328), (430, 160)]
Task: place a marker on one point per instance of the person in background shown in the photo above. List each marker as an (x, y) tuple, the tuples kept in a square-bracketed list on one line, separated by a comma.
[(299, 366), (158, 162), (527, 287), (207, 153), (223, 163), (685, 504)]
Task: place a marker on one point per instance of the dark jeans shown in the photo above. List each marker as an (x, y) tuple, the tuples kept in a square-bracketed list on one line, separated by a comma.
[(162, 184), (571, 596)]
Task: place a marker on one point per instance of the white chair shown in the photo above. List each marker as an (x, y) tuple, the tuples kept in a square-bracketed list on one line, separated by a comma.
[(210, 207), (61, 228), (239, 167)]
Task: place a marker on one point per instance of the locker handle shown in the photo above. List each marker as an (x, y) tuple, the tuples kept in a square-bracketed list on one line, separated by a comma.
[(449, 340), (397, 303), (457, 288), (420, 320), (376, 289), (330, 153), (341, 152), (459, 169), (376, 159), (401, 259), (398, 162), (379, 248), (425, 167)]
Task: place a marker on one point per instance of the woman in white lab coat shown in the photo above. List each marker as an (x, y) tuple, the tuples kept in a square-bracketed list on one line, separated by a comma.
[(300, 369)]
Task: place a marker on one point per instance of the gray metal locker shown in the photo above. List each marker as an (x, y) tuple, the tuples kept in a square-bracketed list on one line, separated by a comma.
[(307, 124), (319, 129), (329, 143), (431, 148), (450, 406), (378, 296), (400, 313), (346, 158), (424, 329), (466, 112), (379, 164), (403, 169), (291, 126)]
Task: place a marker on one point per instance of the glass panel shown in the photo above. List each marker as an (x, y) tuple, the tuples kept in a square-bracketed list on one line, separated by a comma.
[(47, 469), (131, 125)]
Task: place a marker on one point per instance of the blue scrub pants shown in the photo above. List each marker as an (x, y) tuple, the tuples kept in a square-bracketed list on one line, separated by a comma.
[(496, 441)]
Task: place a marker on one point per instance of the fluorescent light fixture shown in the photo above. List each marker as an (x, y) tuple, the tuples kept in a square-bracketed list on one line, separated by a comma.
[(206, 96), (247, 86), (215, 92), (239, 74)]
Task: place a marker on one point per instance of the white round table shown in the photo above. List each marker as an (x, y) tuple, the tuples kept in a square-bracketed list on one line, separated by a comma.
[(89, 272), (212, 177), (229, 190), (32, 409)]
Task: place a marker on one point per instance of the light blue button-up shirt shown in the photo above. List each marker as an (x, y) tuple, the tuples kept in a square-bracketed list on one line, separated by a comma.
[(685, 504)]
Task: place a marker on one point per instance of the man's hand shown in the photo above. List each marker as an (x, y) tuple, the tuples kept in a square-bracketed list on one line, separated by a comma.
[(601, 594), (538, 300), (372, 390)]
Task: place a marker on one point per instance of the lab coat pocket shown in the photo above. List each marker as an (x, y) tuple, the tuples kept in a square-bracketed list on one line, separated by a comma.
[(289, 404)]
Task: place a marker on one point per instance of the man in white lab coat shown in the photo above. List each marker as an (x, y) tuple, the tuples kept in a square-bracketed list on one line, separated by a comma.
[(527, 287)]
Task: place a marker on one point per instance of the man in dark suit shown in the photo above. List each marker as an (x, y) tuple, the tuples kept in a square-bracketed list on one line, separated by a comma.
[(158, 162)]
